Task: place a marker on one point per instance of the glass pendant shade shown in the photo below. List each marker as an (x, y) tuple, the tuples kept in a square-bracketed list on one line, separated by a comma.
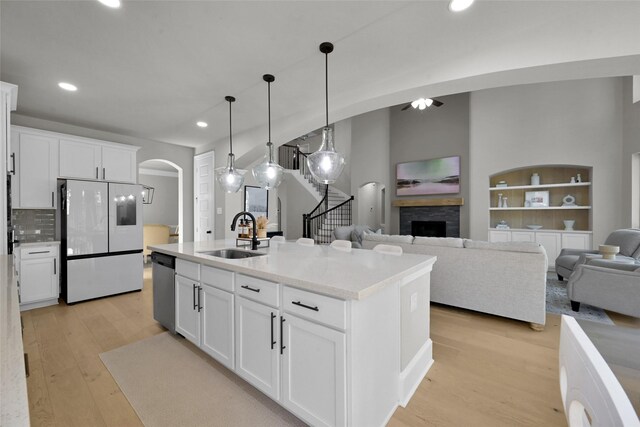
[(230, 178), (326, 164), (268, 173)]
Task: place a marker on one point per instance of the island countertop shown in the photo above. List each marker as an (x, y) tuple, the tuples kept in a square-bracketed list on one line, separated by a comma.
[(355, 274)]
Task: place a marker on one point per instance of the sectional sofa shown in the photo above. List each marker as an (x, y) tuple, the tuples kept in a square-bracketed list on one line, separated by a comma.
[(506, 279)]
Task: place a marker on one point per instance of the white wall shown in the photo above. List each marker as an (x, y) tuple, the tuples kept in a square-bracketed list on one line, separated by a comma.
[(296, 201), (370, 136), (575, 122), (631, 157), (164, 209), (368, 202), (181, 156), (433, 133)]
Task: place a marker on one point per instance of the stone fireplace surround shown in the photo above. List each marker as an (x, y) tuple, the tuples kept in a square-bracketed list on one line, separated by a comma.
[(450, 214)]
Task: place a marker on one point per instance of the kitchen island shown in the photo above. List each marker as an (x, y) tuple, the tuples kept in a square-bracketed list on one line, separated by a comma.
[(336, 337)]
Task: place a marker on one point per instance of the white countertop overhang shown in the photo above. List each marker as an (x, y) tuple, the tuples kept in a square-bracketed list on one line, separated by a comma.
[(346, 275)]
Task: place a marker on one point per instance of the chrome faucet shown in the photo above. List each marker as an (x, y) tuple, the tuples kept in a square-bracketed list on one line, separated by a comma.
[(254, 239)]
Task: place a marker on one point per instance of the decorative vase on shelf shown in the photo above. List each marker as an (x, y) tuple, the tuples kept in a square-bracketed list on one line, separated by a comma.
[(578, 178), (499, 200), (504, 202), (535, 179), (573, 180), (568, 224)]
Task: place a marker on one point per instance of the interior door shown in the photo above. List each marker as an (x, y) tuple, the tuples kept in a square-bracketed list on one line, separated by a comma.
[(85, 209), (125, 217), (203, 201)]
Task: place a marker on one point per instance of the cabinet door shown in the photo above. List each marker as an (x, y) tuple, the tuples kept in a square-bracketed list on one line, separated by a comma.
[(576, 240), (257, 349), (187, 315), (499, 236), (217, 325), (313, 372), (34, 184), (523, 236), (118, 165), (552, 245), (79, 159), (38, 279)]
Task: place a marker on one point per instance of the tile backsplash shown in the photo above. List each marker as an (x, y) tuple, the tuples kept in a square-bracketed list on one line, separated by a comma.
[(34, 225)]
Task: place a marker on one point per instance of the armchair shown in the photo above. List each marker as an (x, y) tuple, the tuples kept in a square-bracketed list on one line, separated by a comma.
[(607, 284), (627, 239)]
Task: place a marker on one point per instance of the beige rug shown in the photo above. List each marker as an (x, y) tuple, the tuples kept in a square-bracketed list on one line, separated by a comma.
[(169, 382)]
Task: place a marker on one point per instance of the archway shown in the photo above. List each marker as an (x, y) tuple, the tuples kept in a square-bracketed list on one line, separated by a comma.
[(371, 205), (167, 205)]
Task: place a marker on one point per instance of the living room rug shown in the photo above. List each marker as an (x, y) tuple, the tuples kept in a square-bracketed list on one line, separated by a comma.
[(558, 303), (169, 382)]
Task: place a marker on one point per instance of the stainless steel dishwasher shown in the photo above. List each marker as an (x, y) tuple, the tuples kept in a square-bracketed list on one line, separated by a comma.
[(164, 307)]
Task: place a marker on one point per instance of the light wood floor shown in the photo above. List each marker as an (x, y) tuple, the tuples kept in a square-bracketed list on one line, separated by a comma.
[(488, 371)]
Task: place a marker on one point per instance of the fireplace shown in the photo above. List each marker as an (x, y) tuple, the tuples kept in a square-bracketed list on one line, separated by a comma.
[(429, 228), (447, 216)]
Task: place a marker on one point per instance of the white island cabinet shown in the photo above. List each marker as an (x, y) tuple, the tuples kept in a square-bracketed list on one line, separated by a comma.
[(337, 338)]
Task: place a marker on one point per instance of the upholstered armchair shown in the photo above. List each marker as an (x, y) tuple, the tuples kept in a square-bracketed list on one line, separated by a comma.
[(627, 239), (606, 284)]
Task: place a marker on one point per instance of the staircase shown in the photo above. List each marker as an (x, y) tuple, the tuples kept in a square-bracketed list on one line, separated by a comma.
[(334, 206)]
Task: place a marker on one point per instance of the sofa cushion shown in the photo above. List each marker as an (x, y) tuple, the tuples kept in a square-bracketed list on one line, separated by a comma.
[(343, 233), (567, 261), (531, 247), (387, 238), (452, 242), (628, 240)]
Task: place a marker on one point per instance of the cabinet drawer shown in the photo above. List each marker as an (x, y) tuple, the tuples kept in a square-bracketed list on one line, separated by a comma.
[(34, 252), (221, 279), (319, 308), (188, 269), (258, 290)]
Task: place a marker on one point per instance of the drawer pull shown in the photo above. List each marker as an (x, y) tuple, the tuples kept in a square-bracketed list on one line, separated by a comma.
[(249, 288), (39, 252), (305, 306), (273, 316)]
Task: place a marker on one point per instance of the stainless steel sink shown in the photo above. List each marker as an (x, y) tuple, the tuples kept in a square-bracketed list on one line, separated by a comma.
[(231, 253)]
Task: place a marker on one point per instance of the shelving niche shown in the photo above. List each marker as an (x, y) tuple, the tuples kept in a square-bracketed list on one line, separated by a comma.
[(556, 180)]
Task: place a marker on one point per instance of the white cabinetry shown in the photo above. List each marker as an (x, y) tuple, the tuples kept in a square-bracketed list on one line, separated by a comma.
[(93, 160), (314, 358), (217, 315), (37, 268), (187, 308), (36, 170), (8, 103), (553, 241)]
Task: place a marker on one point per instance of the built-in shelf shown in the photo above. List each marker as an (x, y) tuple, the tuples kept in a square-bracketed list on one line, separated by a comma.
[(541, 186), (542, 230), (561, 208)]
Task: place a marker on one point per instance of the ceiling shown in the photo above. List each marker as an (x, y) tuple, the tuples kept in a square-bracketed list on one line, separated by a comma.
[(152, 69)]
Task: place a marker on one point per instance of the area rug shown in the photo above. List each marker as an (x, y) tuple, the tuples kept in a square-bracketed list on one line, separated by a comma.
[(169, 382), (558, 303)]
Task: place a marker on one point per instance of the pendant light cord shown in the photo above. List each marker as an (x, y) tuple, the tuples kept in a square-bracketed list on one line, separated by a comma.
[(326, 85), (230, 136), (269, 107)]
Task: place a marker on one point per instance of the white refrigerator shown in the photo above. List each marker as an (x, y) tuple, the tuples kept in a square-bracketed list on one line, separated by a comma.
[(101, 227)]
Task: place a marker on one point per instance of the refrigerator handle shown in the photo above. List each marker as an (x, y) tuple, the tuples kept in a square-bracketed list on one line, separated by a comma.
[(53, 195), (103, 173), (96, 172)]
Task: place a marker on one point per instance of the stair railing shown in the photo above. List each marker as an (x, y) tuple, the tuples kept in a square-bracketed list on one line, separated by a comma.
[(291, 157), (339, 215)]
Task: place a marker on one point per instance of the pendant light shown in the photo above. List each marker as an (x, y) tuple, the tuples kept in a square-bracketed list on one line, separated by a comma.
[(326, 164), (268, 173), (230, 178)]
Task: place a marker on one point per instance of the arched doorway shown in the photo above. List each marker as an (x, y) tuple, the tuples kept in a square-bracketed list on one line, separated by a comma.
[(371, 205), (166, 208)]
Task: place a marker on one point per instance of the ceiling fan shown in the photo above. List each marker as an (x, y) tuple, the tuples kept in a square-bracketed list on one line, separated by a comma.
[(423, 103)]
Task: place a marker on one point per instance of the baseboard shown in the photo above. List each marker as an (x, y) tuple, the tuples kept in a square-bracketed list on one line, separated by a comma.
[(38, 304), (415, 372)]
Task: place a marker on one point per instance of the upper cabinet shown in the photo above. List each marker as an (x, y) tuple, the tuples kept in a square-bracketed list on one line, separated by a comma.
[(94, 160), (84, 158), (33, 185)]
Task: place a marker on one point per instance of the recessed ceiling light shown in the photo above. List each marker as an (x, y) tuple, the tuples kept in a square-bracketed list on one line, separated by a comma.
[(111, 3), (459, 5), (67, 86), (202, 124), (422, 103)]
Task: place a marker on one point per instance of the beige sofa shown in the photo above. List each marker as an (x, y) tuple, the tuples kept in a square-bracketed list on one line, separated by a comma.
[(506, 279)]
